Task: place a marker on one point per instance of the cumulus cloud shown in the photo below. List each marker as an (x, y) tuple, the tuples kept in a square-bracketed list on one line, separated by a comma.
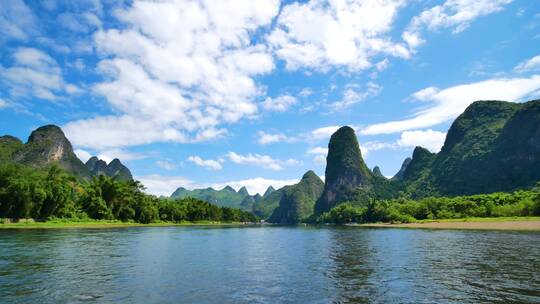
[(530, 65), (319, 34), (429, 139), (455, 14), (263, 161), (280, 103), (447, 104), (83, 155), (35, 74), (166, 185), (180, 84), (209, 164)]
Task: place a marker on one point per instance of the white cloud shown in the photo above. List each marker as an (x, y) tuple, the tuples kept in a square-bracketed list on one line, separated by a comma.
[(166, 165), (532, 64), (456, 14), (16, 20), (432, 140), (280, 103), (323, 133), (83, 155), (371, 146), (123, 155), (447, 104), (35, 73), (166, 185), (267, 138), (263, 161), (319, 153), (180, 84), (206, 163), (319, 33), (352, 96)]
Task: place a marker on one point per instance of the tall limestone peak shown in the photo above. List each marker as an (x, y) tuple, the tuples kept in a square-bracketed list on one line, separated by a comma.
[(297, 201), (377, 172), (114, 168), (243, 191), (401, 172), (48, 145), (228, 188), (420, 162), (268, 191), (346, 171)]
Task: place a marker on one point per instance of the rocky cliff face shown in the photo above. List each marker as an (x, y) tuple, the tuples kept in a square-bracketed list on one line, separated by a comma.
[(297, 202), (346, 172), (48, 145)]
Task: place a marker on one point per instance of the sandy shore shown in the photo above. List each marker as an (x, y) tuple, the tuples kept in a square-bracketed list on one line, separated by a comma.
[(484, 225)]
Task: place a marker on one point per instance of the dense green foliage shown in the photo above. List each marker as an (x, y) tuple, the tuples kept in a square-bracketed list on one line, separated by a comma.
[(493, 146), (51, 193), (346, 171), (519, 203), (297, 202)]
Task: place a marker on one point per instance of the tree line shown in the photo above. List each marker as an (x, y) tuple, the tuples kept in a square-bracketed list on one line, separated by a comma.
[(27, 192), (519, 203)]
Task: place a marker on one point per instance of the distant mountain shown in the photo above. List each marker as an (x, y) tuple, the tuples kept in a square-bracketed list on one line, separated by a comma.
[(227, 196), (114, 168), (377, 172), (401, 172), (346, 172), (297, 201), (48, 145), (268, 191), (8, 146), (493, 146)]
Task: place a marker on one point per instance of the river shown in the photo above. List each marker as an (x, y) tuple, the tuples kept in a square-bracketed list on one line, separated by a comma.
[(268, 265)]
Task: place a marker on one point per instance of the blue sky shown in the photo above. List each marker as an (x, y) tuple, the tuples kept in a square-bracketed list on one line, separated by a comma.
[(209, 93)]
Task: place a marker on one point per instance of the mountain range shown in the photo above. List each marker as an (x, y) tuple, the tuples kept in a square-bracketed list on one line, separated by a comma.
[(47, 145), (492, 146)]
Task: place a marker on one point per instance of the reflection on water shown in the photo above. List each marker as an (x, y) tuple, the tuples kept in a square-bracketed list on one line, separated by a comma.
[(268, 264)]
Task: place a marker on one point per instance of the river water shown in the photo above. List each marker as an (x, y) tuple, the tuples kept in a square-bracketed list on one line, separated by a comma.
[(268, 265)]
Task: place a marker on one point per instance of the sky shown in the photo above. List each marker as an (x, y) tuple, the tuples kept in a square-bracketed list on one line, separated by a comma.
[(247, 93)]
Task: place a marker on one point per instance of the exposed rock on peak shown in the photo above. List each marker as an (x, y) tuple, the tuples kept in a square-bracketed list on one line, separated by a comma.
[(346, 171), (48, 145)]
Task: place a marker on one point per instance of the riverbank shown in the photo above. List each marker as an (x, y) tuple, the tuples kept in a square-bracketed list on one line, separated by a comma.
[(106, 224), (497, 223)]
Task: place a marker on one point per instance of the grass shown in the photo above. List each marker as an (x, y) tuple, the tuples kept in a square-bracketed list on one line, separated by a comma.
[(62, 223), (483, 219)]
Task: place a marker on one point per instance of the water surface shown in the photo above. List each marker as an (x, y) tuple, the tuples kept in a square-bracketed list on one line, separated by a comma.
[(268, 265)]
